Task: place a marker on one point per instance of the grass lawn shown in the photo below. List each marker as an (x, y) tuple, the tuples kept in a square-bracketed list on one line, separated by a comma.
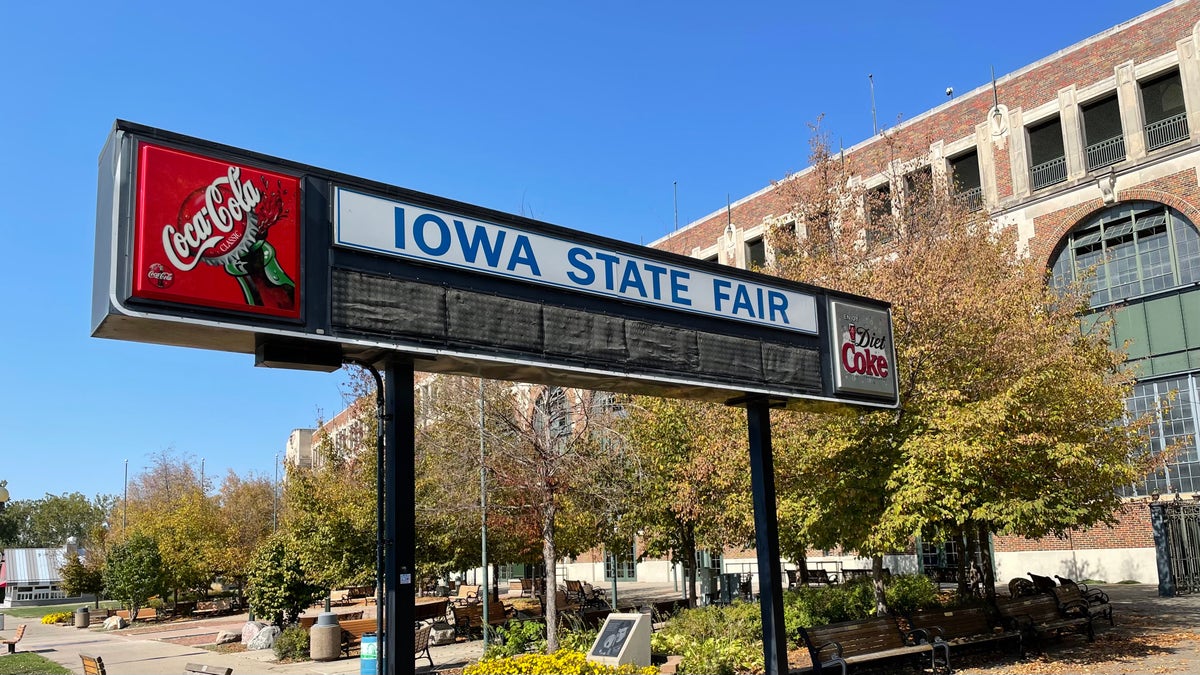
[(37, 612), (22, 663)]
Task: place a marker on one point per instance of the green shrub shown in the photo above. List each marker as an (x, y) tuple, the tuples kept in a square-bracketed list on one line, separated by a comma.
[(740, 620), (721, 656), (910, 592), (562, 662), (292, 643), (517, 637), (577, 639)]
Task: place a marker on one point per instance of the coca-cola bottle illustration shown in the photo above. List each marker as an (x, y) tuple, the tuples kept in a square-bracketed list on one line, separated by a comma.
[(263, 281)]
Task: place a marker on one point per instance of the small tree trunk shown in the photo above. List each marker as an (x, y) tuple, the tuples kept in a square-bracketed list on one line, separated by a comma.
[(966, 558), (989, 569), (550, 558), (689, 565), (881, 608), (802, 567)]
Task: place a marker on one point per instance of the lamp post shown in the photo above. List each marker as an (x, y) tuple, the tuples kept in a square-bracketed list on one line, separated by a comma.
[(275, 498), (483, 516)]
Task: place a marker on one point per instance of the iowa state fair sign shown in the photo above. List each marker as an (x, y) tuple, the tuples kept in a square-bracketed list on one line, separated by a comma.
[(208, 246), (411, 231)]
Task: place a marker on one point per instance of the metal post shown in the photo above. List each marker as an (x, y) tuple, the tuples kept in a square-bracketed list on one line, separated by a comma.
[(1162, 551), (275, 498), (483, 518), (399, 519), (766, 536), (125, 503)]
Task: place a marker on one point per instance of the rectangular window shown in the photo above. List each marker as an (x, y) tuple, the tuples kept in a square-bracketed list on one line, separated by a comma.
[(880, 228), (918, 196), (1102, 133), (756, 254), (1163, 107), (965, 183), (1177, 425), (1048, 161), (621, 566)]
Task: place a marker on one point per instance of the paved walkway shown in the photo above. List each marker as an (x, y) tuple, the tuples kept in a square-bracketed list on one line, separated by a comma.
[(1152, 635)]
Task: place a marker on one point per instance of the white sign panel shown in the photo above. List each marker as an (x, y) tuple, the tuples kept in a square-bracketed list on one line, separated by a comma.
[(406, 230)]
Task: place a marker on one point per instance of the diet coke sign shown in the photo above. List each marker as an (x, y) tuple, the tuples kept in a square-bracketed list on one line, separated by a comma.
[(217, 234), (864, 357)]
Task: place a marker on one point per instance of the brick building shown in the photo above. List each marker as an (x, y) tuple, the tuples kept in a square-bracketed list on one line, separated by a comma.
[(1092, 154)]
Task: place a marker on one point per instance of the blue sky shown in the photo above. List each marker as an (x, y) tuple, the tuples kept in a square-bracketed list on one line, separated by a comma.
[(580, 114)]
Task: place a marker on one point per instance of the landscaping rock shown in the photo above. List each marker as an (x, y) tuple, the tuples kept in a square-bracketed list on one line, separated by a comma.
[(265, 638), (115, 623), (225, 637), (250, 630)]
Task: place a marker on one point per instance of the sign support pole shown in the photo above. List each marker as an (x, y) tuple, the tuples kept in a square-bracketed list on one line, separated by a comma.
[(399, 518), (766, 535)]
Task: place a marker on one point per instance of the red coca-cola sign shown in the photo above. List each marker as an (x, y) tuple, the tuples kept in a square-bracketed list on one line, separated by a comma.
[(214, 233)]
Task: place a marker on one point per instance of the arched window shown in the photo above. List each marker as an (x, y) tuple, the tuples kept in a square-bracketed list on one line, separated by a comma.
[(1135, 248), (1142, 261)]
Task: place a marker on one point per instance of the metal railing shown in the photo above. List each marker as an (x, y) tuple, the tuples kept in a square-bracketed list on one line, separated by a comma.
[(1108, 151), (971, 199), (1049, 173), (1166, 131)]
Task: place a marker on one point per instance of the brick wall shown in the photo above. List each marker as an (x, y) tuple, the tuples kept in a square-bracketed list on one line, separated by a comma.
[(1082, 65), (1132, 530), (1180, 191)]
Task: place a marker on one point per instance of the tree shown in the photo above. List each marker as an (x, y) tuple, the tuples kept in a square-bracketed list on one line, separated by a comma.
[(694, 490), (329, 509), (1010, 417), (52, 520), (168, 504), (134, 573), (550, 459), (246, 510), (80, 577), (277, 585)]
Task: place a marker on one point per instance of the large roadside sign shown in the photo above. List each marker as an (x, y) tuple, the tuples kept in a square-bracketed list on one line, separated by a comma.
[(208, 246)]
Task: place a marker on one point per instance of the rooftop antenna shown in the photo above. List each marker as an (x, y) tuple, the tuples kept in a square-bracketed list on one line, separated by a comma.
[(874, 123), (675, 189)]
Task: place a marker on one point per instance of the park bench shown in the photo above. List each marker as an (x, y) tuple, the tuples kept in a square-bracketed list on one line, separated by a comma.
[(1042, 615), (1042, 584), (966, 627), (352, 632), (12, 641), (1097, 607), (205, 669), (92, 665), (213, 607), (820, 575), (431, 611), (469, 618), (584, 594), (1021, 588), (466, 594), (1094, 596), (867, 642), (422, 644), (143, 614), (307, 622)]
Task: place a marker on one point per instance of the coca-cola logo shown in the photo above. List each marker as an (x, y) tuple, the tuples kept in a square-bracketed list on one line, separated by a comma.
[(160, 275), (864, 353), (216, 224)]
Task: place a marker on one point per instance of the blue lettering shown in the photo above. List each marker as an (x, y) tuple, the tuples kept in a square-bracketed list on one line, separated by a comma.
[(719, 294), (778, 303), (741, 301), (678, 288), (576, 256), (470, 246), (523, 255), (609, 262), (443, 233), (656, 274), (632, 279), (399, 228)]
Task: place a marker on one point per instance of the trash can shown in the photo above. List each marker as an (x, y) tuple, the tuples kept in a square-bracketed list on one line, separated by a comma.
[(1, 622), (368, 652), (83, 618), (729, 587), (325, 638)]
